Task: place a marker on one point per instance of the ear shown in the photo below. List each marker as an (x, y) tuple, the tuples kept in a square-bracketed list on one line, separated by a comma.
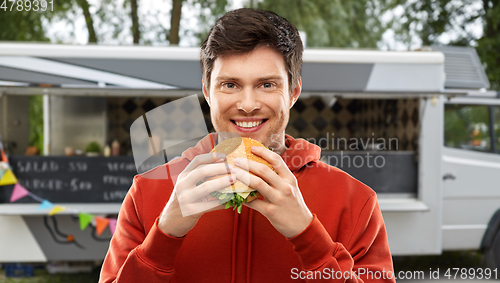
[(296, 92), (205, 92)]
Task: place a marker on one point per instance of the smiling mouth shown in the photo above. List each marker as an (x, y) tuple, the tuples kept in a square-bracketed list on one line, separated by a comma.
[(248, 124)]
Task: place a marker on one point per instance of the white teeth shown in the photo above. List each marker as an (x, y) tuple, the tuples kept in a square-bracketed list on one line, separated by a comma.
[(249, 124)]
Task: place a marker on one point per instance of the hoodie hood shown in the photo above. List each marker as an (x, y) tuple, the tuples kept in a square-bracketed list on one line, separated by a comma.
[(205, 145), (298, 154)]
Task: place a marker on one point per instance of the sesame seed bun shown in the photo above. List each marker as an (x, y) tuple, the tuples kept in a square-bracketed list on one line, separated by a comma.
[(240, 147)]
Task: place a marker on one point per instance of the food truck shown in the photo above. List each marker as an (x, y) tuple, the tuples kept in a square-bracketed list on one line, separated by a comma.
[(420, 127)]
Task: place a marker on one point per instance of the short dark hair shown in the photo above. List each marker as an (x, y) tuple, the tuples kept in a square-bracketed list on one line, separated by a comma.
[(242, 30)]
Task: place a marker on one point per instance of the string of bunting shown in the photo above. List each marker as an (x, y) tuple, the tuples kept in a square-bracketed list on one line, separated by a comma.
[(7, 177)]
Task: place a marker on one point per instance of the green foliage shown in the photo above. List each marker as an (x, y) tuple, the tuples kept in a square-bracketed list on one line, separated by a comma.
[(465, 125), (212, 10), (429, 19), (93, 147), (489, 45), (231, 199), (36, 122), (108, 13), (328, 23), (488, 50), (29, 25), (21, 26)]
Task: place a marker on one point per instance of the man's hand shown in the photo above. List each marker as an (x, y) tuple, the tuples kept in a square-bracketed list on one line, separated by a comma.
[(283, 204), (189, 200)]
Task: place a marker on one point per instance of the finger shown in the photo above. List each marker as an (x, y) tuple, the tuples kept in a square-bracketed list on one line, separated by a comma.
[(273, 158), (260, 205), (207, 187), (259, 169), (276, 161), (255, 183), (206, 158), (188, 209), (206, 171)]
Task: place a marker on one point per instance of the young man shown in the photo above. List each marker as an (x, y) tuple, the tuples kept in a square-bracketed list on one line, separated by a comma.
[(314, 222)]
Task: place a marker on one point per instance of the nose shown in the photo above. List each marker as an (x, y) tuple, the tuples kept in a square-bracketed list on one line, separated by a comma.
[(248, 101)]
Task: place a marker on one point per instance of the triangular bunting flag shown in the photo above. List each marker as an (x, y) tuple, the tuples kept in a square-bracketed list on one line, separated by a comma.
[(112, 226), (45, 205), (8, 178), (85, 219), (101, 223), (18, 193), (4, 157), (4, 166), (56, 210)]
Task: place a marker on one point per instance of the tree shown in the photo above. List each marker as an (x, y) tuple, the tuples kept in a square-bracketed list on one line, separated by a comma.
[(429, 20), (22, 26), (84, 4), (135, 21), (175, 20), (327, 23), (489, 44), (211, 11), (29, 25), (112, 21)]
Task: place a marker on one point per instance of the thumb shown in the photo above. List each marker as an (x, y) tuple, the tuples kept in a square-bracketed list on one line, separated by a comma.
[(259, 205)]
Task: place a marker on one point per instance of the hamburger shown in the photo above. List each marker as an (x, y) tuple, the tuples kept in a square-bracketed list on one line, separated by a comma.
[(238, 193)]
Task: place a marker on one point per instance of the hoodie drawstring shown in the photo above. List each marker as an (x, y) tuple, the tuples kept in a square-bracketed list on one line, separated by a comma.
[(249, 251), (233, 250), (249, 248)]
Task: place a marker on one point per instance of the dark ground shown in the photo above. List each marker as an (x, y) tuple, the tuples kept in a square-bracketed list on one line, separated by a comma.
[(410, 263), (456, 259)]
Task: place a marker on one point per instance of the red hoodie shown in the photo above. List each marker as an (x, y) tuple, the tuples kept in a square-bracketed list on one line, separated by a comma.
[(346, 236)]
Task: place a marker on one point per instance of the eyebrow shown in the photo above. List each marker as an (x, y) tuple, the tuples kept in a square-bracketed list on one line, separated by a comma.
[(268, 78), (225, 78), (229, 78)]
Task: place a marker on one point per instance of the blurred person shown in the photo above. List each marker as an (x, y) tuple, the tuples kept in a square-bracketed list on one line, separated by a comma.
[(313, 221)]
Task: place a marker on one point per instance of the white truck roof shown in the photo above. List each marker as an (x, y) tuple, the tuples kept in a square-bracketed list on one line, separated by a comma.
[(178, 68), (163, 70)]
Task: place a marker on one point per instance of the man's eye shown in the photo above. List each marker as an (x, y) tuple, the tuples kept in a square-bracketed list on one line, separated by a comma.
[(230, 85), (267, 85)]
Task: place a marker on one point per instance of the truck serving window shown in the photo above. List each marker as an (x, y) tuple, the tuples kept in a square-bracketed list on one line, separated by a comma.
[(467, 127)]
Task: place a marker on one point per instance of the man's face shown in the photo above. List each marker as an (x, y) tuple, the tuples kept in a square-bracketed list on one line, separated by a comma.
[(249, 96)]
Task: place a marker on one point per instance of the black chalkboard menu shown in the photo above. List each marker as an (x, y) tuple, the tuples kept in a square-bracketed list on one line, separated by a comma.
[(81, 179)]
